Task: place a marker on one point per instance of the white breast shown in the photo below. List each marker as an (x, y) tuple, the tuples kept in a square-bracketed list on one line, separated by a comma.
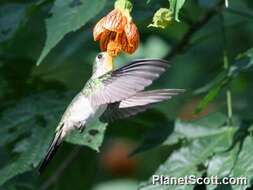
[(80, 110)]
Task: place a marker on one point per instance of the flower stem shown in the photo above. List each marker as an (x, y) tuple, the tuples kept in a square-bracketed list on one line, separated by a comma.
[(228, 92), (226, 3), (226, 67)]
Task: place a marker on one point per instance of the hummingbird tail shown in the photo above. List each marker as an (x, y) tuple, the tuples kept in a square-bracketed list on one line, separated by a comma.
[(51, 151)]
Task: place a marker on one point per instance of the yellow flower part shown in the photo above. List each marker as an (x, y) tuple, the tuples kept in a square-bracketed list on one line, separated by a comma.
[(162, 18)]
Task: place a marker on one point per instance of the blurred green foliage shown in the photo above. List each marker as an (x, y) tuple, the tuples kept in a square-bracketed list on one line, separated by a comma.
[(190, 134)]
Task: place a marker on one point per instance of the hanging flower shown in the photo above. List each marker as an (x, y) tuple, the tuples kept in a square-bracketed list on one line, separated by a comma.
[(116, 31)]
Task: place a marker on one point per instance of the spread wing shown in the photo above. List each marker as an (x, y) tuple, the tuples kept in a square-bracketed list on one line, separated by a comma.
[(137, 103), (125, 81)]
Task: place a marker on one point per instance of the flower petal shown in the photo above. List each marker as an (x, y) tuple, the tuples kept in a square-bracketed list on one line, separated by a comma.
[(105, 38), (132, 37), (115, 21), (125, 45), (98, 29)]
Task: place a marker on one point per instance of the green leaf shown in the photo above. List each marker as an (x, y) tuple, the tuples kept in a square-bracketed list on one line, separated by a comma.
[(214, 90), (34, 117), (243, 166), (37, 116), (29, 112), (213, 120), (243, 63), (175, 6), (213, 93), (205, 137), (28, 160), (202, 128), (216, 81), (21, 146), (162, 18), (154, 138), (164, 134), (187, 160), (232, 164), (222, 164), (68, 16), (92, 136), (11, 16)]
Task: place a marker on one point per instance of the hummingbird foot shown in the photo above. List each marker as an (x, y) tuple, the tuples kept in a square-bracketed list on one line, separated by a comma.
[(79, 126), (81, 129)]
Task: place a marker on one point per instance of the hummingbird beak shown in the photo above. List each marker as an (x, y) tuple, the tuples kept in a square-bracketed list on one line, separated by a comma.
[(109, 62)]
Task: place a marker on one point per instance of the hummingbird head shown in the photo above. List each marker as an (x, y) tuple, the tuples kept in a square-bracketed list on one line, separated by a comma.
[(103, 63)]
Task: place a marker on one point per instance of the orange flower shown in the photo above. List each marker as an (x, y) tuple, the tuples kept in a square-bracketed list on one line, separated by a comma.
[(116, 32)]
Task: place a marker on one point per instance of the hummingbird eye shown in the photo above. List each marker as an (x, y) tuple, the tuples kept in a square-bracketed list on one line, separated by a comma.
[(100, 56)]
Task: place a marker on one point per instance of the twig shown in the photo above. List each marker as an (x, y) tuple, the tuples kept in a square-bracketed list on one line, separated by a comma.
[(194, 28), (60, 169)]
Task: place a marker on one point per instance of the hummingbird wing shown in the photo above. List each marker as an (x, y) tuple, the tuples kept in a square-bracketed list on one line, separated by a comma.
[(137, 103), (125, 81)]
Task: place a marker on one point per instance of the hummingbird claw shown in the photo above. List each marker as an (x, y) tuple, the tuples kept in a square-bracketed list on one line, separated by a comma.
[(81, 129)]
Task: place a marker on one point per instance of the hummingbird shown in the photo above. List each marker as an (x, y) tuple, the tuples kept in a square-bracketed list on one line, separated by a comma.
[(111, 94)]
